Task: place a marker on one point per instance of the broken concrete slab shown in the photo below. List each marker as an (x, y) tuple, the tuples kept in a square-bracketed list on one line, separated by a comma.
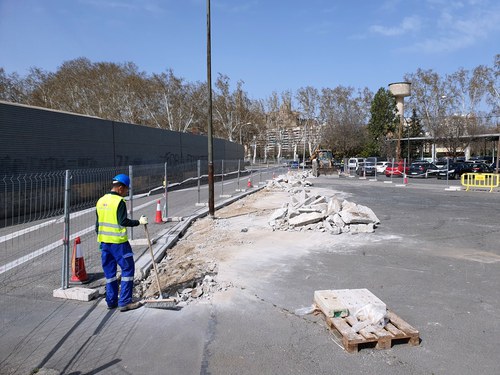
[(338, 221), (305, 219), (280, 213), (354, 217), (368, 212), (334, 206)]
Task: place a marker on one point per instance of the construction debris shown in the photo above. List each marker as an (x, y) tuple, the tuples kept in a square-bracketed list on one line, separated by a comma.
[(307, 211), (363, 320)]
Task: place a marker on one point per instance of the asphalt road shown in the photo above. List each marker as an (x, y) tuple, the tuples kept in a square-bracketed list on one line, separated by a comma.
[(434, 260)]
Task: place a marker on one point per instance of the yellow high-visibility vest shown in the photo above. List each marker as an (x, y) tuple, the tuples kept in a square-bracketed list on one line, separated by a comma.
[(109, 230)]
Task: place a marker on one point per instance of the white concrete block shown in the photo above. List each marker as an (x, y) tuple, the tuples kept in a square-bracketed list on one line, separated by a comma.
[(76, 293)]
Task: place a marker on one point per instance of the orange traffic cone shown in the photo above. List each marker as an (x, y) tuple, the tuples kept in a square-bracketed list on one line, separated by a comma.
[(78, 273), (249, 183), (158, 218)]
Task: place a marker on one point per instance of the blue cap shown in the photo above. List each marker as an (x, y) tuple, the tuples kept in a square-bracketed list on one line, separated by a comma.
[(123, 179)]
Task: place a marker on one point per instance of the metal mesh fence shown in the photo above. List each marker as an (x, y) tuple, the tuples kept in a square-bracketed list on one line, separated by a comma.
[(32, 216)]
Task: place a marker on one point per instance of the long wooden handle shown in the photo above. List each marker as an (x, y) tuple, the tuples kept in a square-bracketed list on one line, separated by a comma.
[(153, 260)]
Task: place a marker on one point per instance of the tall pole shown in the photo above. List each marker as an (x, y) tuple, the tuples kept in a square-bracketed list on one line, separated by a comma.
[(67, 202), (498, 154), (211, 205)]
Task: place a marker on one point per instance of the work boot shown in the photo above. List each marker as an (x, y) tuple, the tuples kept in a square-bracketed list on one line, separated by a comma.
[(131, 306)]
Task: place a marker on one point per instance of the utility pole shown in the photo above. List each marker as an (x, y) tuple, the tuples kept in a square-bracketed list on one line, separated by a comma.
[(211, 200)]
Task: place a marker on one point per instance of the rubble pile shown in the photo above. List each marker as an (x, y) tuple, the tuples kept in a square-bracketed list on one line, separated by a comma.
[(293, 181), (201, 290), (307, 211)]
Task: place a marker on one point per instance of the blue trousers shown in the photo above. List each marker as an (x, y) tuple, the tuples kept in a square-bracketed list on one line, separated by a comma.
[(121, 255)]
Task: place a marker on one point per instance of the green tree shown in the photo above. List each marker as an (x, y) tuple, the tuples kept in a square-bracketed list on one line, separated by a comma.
[(382, 123)]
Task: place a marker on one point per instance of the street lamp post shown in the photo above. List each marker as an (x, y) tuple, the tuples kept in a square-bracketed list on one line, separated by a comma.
[(408, 134), (211, 196)]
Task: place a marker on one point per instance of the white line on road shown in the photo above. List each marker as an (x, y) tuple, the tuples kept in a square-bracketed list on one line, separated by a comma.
[(53, 245)]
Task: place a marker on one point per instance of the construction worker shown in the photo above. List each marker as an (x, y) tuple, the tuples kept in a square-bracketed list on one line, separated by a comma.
[(111, 231)]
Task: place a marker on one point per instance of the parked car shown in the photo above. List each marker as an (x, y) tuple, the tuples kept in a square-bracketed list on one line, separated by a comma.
[(481, 168), (452, 171), (422, 169), (398, 169), (381, 166), (467, 167), (482, 159), (352, 163), (366, 168), (441, 164)]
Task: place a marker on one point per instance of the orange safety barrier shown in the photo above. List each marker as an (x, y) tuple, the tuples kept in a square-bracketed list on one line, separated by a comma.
[(480, 180)]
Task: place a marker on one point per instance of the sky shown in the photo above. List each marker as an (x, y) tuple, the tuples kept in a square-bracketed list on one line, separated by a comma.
[(270, 45)]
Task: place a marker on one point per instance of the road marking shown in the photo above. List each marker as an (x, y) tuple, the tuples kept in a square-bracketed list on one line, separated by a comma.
[(22, 232), (53, 245)]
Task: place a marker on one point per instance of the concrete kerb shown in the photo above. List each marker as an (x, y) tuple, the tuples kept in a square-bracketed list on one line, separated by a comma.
[(168, 238)]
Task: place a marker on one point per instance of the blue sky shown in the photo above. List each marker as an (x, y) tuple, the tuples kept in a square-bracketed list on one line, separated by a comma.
[(271, 45)]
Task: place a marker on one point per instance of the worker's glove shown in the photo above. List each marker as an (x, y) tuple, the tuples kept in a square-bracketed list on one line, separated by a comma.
[(143, 220)]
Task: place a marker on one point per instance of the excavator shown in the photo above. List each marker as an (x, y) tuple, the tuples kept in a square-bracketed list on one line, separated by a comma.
[(322, 162)]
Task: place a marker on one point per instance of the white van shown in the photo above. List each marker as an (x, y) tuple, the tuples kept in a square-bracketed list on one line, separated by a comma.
[(353, 163), (381, 166)]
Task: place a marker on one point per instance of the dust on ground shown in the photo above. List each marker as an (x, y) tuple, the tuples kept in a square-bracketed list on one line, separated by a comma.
[(206, 244), (215, 253)]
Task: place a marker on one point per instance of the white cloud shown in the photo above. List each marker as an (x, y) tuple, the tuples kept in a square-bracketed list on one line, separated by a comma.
[(408, 24), (455, 30)]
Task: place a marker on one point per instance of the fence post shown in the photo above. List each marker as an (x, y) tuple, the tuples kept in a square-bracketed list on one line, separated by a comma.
[(222, 179), (238, 188), (199, 171), (392, 174), (131, 196), (165, 207), (65, 261)]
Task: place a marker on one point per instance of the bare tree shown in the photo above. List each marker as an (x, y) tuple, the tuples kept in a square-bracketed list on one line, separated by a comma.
[(493, 86), (345, 117), (12, 88), (170, 103), (308, 101), (231, 109)]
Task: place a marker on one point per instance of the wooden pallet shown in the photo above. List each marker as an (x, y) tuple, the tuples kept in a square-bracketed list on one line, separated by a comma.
[(397, 331)]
